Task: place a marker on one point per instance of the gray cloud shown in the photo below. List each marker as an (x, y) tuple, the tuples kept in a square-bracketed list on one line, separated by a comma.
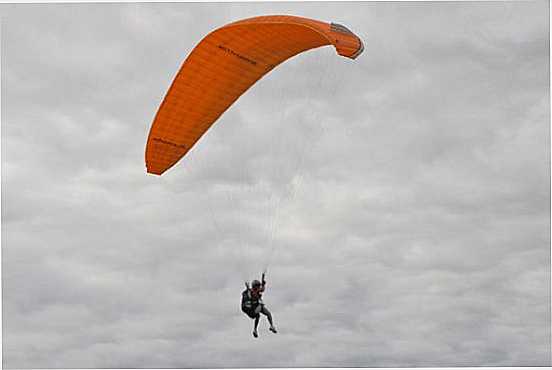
[(401, 200)]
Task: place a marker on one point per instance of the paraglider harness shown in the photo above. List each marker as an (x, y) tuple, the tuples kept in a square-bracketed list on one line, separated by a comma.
[(249, 303)]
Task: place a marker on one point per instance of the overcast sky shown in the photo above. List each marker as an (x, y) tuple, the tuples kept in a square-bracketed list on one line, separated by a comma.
[(401, 201)]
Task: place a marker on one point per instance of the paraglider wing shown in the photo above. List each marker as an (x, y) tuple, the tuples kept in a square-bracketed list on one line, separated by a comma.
[(222, 67)]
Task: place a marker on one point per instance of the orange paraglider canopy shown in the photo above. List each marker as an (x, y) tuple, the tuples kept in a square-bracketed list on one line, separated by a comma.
[(222, 67)]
